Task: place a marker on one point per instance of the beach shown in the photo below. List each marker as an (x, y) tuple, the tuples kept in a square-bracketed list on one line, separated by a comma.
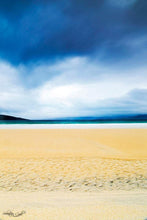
[(115, 205), (56, 173)]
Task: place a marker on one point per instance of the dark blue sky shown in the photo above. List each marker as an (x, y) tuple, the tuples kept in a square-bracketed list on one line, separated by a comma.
[(58, 49), (33, 30)]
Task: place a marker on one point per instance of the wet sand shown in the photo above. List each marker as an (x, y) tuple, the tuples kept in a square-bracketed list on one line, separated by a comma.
[(47, 143)]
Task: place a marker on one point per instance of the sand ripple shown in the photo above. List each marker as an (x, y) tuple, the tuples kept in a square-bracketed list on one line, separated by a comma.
[(72, 174)]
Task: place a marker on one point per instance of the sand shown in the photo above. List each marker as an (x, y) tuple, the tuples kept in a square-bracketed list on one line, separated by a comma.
[(74, 206), (85, 174), (47, 143), (72, 174)]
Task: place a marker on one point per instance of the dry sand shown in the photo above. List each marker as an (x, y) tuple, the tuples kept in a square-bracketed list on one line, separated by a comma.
[(74, 206), (65, 173)]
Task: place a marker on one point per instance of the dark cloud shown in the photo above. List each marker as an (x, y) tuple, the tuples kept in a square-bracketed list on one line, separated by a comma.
[(138, 15), (13, 8), (34, 30)]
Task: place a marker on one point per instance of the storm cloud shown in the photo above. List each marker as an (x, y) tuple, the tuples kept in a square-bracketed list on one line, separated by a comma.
[(35, 30), (73, 57)]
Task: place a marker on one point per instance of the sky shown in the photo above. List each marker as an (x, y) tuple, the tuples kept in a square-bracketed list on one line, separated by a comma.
[(69, 58)]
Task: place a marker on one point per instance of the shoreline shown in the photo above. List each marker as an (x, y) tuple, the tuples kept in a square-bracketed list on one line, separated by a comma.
[(74, 126)]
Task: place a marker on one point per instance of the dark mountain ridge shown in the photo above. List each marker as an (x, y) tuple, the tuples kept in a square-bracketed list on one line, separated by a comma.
[(11, 118)]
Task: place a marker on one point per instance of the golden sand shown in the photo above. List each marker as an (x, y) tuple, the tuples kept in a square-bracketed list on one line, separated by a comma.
[(46, 143), (72, 174), (75, 161)]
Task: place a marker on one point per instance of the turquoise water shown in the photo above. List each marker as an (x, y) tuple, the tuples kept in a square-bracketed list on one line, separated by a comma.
[(69, 122)]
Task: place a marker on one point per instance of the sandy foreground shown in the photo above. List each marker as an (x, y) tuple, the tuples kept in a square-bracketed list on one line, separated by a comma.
[(74, 206), (85, 174)]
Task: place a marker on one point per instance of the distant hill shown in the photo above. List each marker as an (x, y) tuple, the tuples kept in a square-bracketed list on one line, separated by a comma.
[(11, 118)]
